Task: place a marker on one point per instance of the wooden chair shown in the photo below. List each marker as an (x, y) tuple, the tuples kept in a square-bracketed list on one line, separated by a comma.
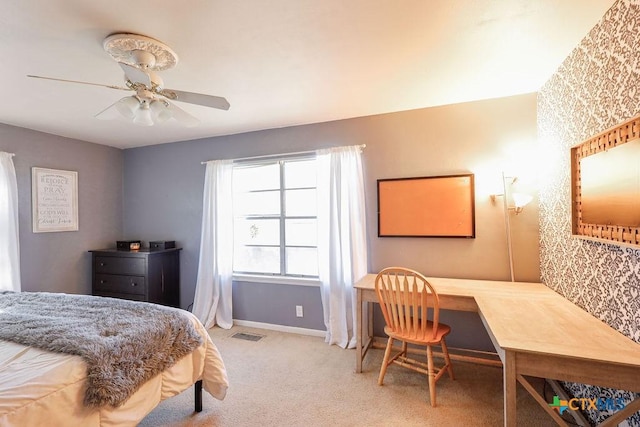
[(405, 298)]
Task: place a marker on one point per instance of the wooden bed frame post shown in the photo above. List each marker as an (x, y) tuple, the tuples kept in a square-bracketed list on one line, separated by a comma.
[(197, 387)]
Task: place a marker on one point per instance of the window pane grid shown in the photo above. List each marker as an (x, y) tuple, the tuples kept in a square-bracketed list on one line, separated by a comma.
[(299, 188), (252, 273), (295, 214), (283, 236)]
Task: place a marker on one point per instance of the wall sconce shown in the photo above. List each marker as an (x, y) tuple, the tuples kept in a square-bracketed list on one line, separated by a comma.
[(520, 200)]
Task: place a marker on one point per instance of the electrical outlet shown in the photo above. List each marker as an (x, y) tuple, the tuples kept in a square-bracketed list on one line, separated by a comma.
[(299, 311)]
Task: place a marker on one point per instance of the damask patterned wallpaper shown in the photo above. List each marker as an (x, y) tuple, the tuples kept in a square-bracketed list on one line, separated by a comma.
[(597, 87)]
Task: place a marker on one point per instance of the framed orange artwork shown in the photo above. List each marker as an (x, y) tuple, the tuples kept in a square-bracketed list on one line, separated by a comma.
[(431, 206)]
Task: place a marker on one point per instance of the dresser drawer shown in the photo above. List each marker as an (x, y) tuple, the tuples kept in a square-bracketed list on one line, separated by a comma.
[(115, 283), (131, 297), (116, 265)]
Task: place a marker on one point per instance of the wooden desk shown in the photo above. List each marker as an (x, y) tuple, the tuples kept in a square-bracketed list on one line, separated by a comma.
[(536, 332)]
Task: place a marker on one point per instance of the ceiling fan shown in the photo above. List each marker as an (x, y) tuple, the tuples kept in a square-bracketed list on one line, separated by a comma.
[(140, 57)]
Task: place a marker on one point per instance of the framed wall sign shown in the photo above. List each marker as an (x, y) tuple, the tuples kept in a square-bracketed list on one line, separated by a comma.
[(54, 199), (430, 206)]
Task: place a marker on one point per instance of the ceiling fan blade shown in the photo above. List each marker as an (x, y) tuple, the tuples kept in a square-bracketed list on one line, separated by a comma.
[(135, 74), (196, 98), (109, 113), (182, 116), (75, 81)]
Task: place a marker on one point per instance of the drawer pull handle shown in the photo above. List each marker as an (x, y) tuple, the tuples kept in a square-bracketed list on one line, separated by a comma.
[(134, 284), (102, 264), (103, 281)]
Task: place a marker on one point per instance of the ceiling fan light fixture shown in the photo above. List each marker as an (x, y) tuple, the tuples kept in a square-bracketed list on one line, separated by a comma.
[(143, 115), (160, 111), (128, 107)]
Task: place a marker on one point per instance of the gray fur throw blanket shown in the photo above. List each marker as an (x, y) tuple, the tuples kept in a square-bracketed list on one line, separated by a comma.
[(124, 343)]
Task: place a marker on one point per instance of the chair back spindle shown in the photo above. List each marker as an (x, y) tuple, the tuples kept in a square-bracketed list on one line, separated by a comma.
[(407, 298)]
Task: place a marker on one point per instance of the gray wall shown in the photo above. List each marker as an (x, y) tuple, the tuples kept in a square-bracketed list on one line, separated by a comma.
[(164, 183), (59, 262)]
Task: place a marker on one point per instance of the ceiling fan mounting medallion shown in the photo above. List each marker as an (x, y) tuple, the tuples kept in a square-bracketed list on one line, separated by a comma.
[(140, 51), (140, 57)]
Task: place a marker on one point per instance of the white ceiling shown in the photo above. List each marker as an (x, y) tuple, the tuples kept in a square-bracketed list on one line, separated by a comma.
[(280, 62)]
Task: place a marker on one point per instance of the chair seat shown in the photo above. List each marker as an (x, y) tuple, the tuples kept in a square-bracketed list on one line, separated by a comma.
[(442, 331)]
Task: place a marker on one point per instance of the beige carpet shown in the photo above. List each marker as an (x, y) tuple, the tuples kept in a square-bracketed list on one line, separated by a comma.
[(294, 380)]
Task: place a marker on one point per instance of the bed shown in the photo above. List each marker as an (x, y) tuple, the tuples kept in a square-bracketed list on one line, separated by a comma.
[(44, 387)]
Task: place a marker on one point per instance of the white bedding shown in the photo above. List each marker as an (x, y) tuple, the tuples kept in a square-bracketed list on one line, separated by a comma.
[(40, 388)]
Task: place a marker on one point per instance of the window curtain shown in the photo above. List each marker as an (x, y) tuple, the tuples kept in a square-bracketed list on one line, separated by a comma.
[(212, 302), (342, 246), (9, 236)]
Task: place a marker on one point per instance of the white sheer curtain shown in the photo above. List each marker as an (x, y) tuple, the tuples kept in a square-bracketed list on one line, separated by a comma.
[(342, 245), (212, 303), (9, 236)]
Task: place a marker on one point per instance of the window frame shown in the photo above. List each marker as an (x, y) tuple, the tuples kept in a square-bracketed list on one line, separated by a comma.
[(281, 277)]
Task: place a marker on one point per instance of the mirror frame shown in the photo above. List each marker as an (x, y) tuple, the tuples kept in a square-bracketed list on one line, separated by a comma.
[(615, 233)]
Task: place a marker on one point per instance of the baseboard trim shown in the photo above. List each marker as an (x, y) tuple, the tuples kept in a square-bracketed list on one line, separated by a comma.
[(480, 357), (280, 328)]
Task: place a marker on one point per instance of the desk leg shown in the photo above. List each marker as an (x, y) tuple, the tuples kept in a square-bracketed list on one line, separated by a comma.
[(370, 323), (510, 383), (359, 331)]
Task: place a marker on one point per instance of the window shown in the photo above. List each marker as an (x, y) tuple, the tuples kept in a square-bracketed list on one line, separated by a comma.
[(275, 223)]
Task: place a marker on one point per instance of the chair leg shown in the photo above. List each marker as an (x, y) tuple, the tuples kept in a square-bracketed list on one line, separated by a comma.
[(404, 348), (447, 360), (385, 361), (432, 376)]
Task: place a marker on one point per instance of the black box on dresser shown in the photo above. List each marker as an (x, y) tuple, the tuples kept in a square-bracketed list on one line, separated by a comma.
[(162, 244), (128, 245)]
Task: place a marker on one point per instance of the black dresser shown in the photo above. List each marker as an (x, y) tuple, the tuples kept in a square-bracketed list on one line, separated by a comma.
[(144, 275)]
